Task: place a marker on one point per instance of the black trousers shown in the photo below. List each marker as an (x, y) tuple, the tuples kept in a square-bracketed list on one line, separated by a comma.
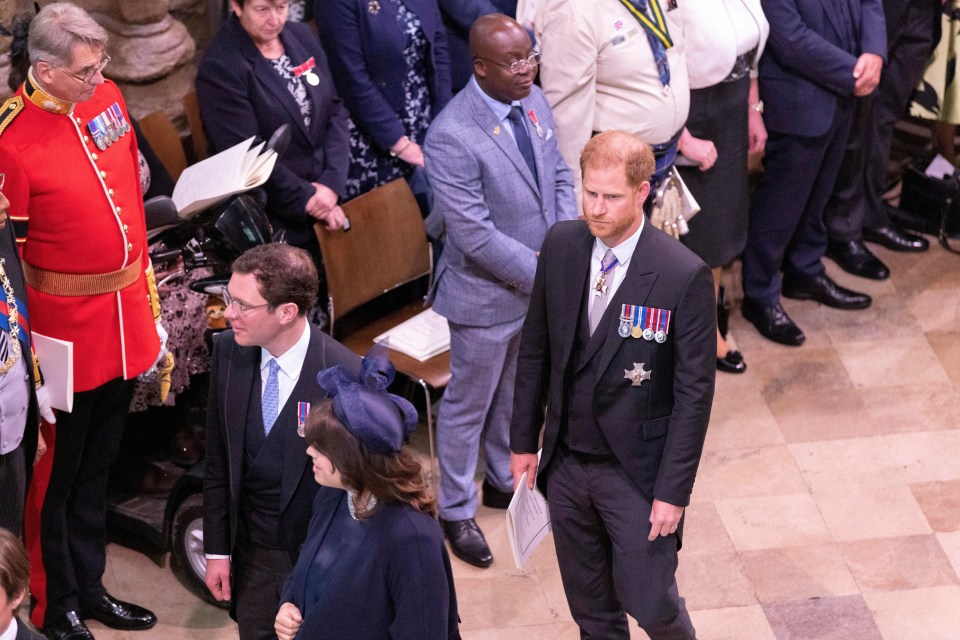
[(73, 519), (856, 200), (608, 567), (257, 581), (13, 490)]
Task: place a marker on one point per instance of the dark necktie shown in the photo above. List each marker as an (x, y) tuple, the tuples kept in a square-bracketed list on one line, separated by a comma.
[(523, 139), (656, 46)]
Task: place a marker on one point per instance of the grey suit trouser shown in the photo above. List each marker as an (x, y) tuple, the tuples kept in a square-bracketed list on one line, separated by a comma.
[(600, 524), (476, 407)]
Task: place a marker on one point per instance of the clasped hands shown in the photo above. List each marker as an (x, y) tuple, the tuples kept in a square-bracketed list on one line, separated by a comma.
[(664, 517), (323, 207), (867, 73)]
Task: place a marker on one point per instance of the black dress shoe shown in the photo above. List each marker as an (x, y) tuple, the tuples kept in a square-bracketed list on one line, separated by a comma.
[(117, 614), (467, 542), (896, 239), (69, 626), (732, 363), (494, 498), (773, 323), (854, 257), (825, 291)]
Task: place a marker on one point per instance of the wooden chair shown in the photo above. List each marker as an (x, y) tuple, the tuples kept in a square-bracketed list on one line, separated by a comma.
[(385, 248), (201, 146), (165, 141)]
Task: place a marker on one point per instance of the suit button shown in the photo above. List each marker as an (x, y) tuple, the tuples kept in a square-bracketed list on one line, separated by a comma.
[(86, 138), (126, 228), (94, 156), (103, 174), (119, 211), (110, 192), (129, 247)]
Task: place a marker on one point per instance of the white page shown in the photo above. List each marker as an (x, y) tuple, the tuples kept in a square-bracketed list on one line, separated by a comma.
[(56, 363), (423, 336), (212, 179), (528, 521)]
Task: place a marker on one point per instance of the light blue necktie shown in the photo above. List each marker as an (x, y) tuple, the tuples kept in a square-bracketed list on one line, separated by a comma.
[(271, 397)]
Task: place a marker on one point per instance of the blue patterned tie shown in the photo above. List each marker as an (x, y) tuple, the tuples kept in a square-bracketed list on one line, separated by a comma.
[(659, 51), (523, 139), (271, 397)]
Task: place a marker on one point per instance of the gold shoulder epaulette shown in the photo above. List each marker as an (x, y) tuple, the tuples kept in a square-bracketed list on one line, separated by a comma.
[(9, 111)]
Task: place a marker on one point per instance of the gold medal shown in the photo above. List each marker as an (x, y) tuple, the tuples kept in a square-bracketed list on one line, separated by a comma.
[(637, 331)]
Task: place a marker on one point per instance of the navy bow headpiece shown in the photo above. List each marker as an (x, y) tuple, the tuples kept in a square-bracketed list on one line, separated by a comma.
[(379, 419)]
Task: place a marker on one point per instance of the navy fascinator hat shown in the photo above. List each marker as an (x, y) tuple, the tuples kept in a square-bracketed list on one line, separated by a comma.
[(380, 420)]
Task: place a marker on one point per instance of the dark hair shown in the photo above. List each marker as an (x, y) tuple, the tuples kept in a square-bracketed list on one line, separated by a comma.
[(14, 565), (393, 478), (620, 149), (284, 274)]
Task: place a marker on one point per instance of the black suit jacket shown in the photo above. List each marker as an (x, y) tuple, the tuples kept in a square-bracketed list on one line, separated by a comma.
[(242, 96), (656, 430), (234, 370), (11, 257), (23, 633)]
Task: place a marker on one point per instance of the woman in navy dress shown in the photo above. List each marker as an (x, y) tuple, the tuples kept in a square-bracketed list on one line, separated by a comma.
[(374, 564), (390, 65)]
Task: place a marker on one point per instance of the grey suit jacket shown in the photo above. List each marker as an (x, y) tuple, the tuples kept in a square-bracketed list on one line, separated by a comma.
[(496, 214)]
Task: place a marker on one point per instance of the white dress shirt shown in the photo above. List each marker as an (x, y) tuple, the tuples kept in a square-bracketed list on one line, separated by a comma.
[(623, 252), (290, 363), (11, 631)]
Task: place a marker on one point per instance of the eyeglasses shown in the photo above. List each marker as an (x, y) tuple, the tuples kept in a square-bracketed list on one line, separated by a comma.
[(3, 179), (518, 66), (238, 307), (90, 72)]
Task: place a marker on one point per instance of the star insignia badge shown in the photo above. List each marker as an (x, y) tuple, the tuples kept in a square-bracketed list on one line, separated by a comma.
[(637, 375)]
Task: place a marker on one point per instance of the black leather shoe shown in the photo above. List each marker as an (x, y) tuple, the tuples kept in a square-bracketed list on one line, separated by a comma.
[(732, 363), (494, 498), (896, 239), (69, 626), (467, 542), (773, 323), (117, 614), (825, 291), (854, 257)]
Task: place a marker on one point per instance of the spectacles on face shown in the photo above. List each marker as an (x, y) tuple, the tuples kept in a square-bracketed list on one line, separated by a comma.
[(518, 66), (3, 179), (87, 75), (239, 308)]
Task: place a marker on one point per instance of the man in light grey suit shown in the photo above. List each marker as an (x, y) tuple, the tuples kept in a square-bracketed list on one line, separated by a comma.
[(499, 182)]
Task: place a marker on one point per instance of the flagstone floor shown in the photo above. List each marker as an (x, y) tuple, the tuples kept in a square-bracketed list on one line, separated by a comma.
[(827, 505)]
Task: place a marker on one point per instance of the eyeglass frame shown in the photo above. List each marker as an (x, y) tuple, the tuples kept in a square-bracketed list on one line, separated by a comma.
[(93, 72), (3, 179), (239, 308), (516, 67)]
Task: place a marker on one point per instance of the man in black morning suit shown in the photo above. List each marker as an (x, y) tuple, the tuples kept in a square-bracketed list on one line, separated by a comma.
[(626, 409), (258, 486)]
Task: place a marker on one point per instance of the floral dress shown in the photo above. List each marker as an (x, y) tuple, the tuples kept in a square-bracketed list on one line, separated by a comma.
[(369, 166)]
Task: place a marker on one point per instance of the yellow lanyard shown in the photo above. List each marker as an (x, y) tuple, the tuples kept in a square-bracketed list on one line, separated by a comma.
[(659, 28)]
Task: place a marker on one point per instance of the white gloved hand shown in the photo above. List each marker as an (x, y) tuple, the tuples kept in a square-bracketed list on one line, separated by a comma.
[(43, 401)]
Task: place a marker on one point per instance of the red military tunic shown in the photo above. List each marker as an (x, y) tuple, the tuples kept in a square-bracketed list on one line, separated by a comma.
[(83, 208)]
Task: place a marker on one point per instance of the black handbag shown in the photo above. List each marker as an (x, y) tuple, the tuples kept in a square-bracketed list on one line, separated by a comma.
[(930, 205)]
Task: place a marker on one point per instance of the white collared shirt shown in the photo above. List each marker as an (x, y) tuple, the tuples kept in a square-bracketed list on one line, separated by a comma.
[(11, 631), (623, 252), (290, 363)]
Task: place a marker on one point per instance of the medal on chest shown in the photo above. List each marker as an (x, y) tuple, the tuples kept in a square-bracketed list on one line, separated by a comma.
[(305, 71)]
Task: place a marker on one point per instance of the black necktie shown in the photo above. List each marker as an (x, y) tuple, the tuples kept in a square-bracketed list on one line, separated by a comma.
[(523, 139)]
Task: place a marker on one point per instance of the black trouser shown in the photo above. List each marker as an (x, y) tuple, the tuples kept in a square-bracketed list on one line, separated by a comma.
[(600, 524), (257, 581), (856, 200), (13, 491), (73, 520)]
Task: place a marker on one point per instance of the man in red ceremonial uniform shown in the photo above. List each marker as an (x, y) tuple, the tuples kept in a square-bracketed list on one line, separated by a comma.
[(71, 168)]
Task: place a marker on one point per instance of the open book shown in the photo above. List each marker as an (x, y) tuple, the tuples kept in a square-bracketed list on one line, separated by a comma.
[(422, 337), (232, 171), (528, 521)]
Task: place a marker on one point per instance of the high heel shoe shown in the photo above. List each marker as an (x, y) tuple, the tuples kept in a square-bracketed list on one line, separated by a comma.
[(732, 362)]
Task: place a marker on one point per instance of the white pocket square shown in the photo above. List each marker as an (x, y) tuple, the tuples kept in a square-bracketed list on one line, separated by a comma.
[(549, 133)]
